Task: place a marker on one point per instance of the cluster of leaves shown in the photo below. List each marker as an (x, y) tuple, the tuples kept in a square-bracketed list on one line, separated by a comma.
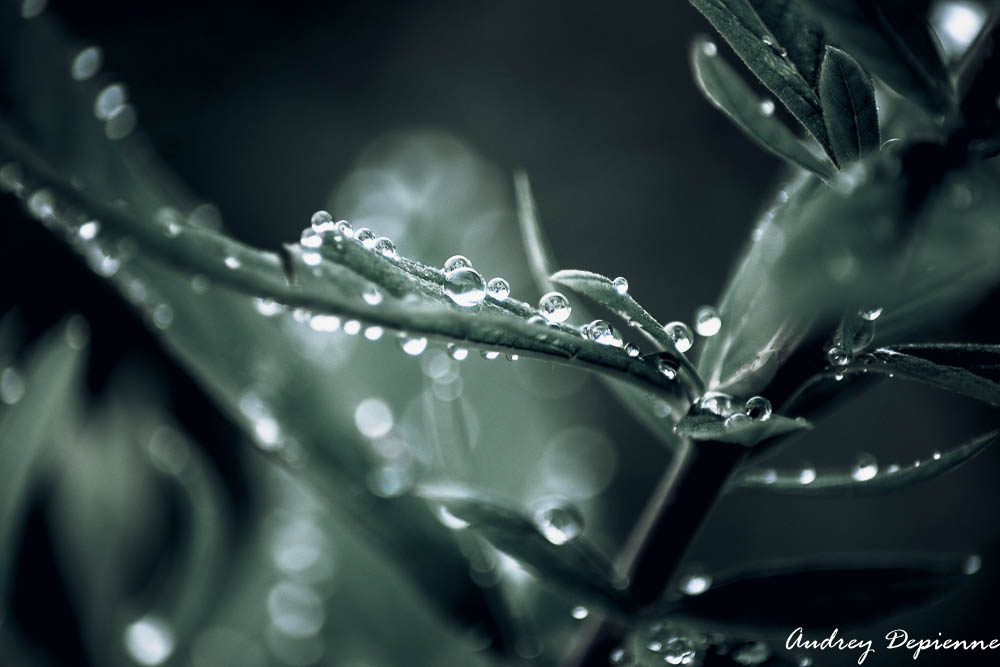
[(909, 224)]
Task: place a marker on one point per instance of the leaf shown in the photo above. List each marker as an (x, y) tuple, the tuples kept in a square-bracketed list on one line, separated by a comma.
[(541, 261), (894, 42), (51, 377), (747, 433), (889, 361), (890, 478), (775, 598), (766, 56), (849, 109), (795, 31), (983, 360), (575, 565), (728, 93)]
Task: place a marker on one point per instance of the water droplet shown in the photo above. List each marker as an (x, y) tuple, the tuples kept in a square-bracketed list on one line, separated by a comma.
[(372, 295), (86, 63), (936, 456), (324, 323), (805, 661), (632, 350), (344, 228), (767, 108), (696, 584), (352, 327), (413, 346), (667, 367), (554, 307), (365, 237), (12, 178), (559, 523), (12, 386), (489, 355), (620, 285), (863, 337), (456, 262), (838, 356), (602, 333), (373, 417), (752, 654), (42, 204), (89, 230), (580, 613), (374, 332), (498, 288), (870, 313), (707, 321), (709, 48), (972, 564), (679, 651), (680, 334), (321, 222), (232, 262), (892, 468), (310, 238), (108, 100), (163, 316), (807, 475), (267, 307), (294, 609), (769, 41), (736, 419), (758, 408), (457, 352), (385, 247), (511, 356), (465, 287), (865, 468), (716, 403), (312, 258)]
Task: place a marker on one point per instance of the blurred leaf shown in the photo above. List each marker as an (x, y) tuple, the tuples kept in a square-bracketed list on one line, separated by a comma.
[(28, 428), (774, 598), (765, 51), (574, 565), (541, 261), (893, 41), (728, 93), (849, 109), (744, 432), (889, 361), (845, 483)]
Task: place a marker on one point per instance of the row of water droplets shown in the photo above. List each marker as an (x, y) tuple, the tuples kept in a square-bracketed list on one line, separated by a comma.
[(866, 468)]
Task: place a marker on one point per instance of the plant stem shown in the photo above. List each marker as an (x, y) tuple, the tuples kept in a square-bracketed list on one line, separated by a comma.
[(661, 537)]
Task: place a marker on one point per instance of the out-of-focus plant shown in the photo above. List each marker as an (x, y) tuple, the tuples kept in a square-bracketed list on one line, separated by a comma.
[(889, 223)]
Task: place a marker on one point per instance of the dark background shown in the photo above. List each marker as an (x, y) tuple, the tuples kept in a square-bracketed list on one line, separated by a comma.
[(264, 108)]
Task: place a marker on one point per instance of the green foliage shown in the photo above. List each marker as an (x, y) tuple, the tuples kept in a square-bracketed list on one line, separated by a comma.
[(849, 108)]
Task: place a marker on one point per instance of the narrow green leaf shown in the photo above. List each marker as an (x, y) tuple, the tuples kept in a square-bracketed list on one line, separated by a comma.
[(888, 478), (774, 598), (746, 432), (849, 110), (541, 261), (575, 564), (894, 42), (728, 92), (983, 360), (768, 58), (51, 376), (889, 361)]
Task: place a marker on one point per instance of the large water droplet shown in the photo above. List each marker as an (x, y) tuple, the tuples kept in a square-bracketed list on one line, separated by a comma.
[(465, 287), (736, 419), (559, 523), (709, 48), (88, 231), (865, 468), (365, 237), (667, 367), (456, 262), (323, 323), (838, 356), (602, 333), (554, 307), (707, 321), (457, 352), (679, 651), (385, 247), (86, 63), (715, 403), (758, 408), (680, 334), (580, 613), (632, 350), (498, 288), (621, 285), (310, 238), (767, 108), (149, 640), (413, 346), (322, 222), (870, 313), (807, 475)]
